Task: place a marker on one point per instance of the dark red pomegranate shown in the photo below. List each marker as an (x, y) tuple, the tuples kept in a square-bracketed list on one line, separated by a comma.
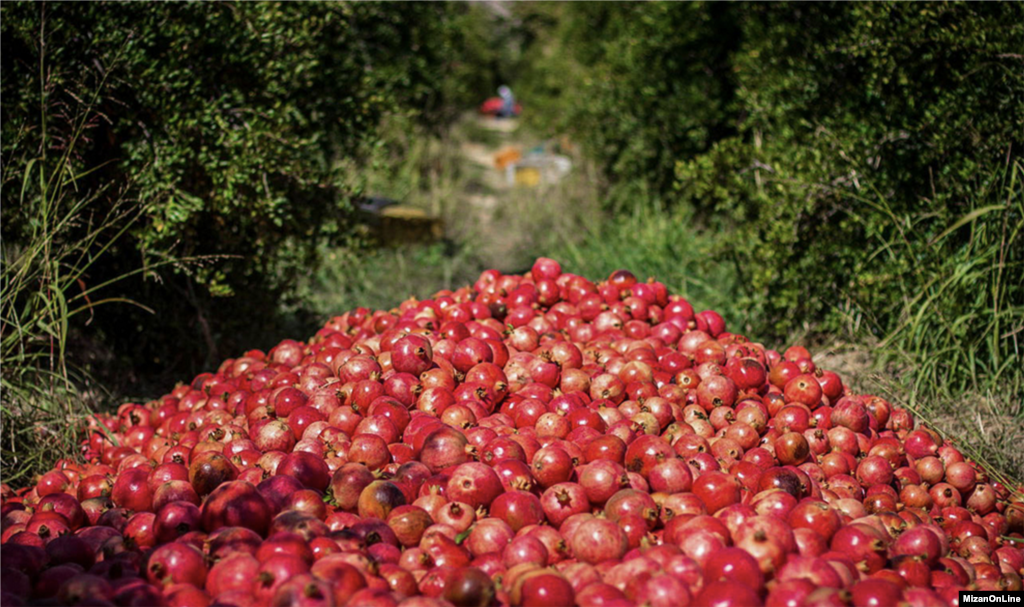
[(236, 504)]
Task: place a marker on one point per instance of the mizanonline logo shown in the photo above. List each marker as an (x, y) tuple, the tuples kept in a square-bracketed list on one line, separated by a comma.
[(990, 597)]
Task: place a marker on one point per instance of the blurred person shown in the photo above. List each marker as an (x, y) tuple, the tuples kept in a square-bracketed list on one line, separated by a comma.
[(508, 102)]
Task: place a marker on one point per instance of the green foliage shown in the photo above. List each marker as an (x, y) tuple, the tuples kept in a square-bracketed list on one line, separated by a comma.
[(230, 121), (638, 85)]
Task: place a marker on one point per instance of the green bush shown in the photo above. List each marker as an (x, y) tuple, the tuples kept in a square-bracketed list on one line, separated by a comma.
[(228, 121)]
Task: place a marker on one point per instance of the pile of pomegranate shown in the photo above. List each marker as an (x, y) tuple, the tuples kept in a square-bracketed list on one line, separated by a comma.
[(533, 440)]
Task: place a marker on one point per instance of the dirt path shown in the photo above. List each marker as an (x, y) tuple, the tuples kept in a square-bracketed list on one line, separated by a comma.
[(489, 207), (490, 185)]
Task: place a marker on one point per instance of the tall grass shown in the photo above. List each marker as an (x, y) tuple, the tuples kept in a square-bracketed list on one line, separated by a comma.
[(62, 229), (42, 292), (956, 354), (962, 314)]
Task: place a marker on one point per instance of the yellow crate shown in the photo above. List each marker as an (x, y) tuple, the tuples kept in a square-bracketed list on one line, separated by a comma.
[(528, 176)]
